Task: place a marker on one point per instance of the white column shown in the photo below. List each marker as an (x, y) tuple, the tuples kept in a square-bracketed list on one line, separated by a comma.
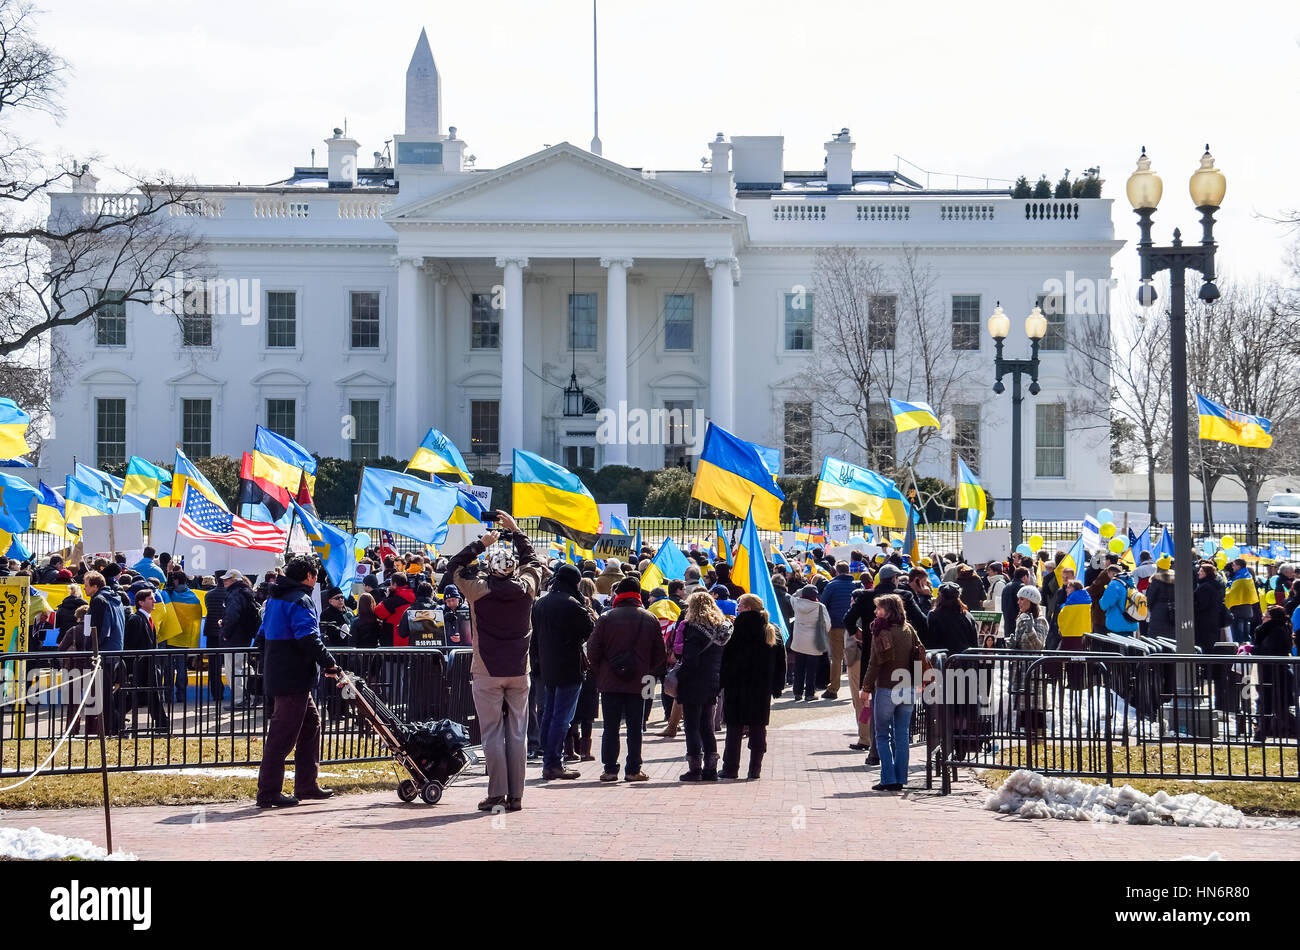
[(437, 388), (410, 313), (722, 340), (512, 358), (616, 347)]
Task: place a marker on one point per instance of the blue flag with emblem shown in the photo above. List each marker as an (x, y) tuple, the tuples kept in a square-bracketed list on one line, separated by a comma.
[(404, 504), (335, 547)]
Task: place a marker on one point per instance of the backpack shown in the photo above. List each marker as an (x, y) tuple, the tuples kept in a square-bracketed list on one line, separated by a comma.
[(1135, 605)]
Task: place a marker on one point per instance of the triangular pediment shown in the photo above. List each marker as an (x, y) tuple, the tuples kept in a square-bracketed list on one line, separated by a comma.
[(195, 378), (563, 184)]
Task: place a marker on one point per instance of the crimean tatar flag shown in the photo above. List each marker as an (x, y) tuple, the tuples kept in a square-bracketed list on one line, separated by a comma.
[(912, 415), (1221, 424)]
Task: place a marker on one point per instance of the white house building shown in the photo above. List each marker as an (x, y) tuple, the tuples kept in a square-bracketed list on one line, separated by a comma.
[(426, 291)]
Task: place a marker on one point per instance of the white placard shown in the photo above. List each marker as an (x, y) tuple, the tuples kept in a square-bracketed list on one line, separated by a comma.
[(459, 535), (112, 532), (483, 494), (607, 513), (980, 547), (837, 525), (162, 528), (1135, 521)]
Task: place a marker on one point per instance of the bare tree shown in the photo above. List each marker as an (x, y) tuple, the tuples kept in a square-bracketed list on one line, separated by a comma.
[(881, 334), (1121, 368), (55, 265)]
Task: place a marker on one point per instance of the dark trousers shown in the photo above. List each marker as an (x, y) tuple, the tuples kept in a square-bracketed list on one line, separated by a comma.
[(697, 721), (731, 747), (805, 674), (561, 701), (536, 702), (145, 679), (616, 709), (295, 726), (175, 675), (216, 689)]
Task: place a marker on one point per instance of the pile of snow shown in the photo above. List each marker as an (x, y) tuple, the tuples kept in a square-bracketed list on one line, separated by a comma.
[(32, 844), (1027, 794)]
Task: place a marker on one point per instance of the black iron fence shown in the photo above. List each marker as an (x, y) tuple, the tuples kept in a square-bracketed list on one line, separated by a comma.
[(183, 709), (1128, 709)]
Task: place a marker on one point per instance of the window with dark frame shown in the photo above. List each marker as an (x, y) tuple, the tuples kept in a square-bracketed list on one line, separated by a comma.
[(678, 417), (798, 438), (365, 319), (281, 319), (965, 321), (881, 451), (110, 432), (966, 438), (799, 321), (110, 319), (882, 321), (485, 426), (196, 319), (582, 321), (365, 432), (484, 323), (1053, 307), (196, 427), (679, 322), (282, 417)]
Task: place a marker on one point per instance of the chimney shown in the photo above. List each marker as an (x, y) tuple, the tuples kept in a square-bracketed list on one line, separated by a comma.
[(720, 169), (453, 152), (839, 162), (85, 181), (342, 160)]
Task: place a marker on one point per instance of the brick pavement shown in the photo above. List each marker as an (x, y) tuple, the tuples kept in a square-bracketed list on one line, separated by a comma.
[(814, 801)]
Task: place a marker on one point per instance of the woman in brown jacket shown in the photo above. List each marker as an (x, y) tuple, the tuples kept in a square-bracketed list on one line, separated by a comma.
[(887, 686)]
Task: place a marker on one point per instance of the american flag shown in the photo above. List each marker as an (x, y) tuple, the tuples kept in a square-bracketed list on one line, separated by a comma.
[(203, 520)]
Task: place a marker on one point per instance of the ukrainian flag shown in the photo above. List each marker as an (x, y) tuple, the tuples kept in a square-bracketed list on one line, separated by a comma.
[(552, 493), (287, 450), (1074, 560), (778, 559), (181, 622), (752, 574), (732, 476), (80, 500), (872, 497), (617, 525), (665, 609), (1241, 590), (187, 474), (669, 563), (1075, 616), (1221, 424), (910, 544), (795, 511), (721, 544), (145, 478), (970, 495), (437, 454), (636, 550), (13, 430), (912, 415), (49, 512)]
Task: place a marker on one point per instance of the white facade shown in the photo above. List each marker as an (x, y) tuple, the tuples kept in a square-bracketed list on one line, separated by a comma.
[(425, 235)]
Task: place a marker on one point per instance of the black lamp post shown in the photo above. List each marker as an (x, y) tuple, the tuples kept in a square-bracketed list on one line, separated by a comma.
[(1207, 187), (1035, 328)]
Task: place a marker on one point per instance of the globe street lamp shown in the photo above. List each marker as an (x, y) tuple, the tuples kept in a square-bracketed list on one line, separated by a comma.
[(1207, 187), (1035, 329)]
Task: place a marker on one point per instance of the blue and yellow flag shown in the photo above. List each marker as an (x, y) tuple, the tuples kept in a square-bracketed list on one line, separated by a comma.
[(665, 609), (405, 504), (970, 495), (636, 549), (556, 496), (795, 511), (1241, 591), (49, 512), (732, 476), (13, 430), (186, 474), (1075, 616), (910, 546), (145, 478), (178, 617), (751, 574), (669, 563), (110, 487), (438, 455), (336, 548), (912, 415), (720, 544), (15, 503), (272, 443), (778, 559), (870, 496), (617, 525), (1074, 560), (1221, 424), (80, 501)]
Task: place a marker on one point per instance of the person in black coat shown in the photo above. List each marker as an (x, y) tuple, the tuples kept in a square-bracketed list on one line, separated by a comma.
[(1160, 600), (917, 600), (240, 620), (145, 674), (699, 672), (1207, 601), (752, 675), (1010, 599), (562, 623), (950, 626), (1273, 637)]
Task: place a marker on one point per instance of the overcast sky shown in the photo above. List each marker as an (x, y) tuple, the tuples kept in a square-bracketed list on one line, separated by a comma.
[(241, 91)]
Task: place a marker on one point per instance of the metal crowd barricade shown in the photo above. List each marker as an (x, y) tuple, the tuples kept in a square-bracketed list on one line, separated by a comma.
[(177, 709)]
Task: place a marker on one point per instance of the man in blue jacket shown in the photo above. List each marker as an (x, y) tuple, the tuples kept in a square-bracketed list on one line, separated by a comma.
[(837, 597), (294, 650)]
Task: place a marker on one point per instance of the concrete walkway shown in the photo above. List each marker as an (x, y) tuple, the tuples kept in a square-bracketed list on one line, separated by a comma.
[(813, 802)]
